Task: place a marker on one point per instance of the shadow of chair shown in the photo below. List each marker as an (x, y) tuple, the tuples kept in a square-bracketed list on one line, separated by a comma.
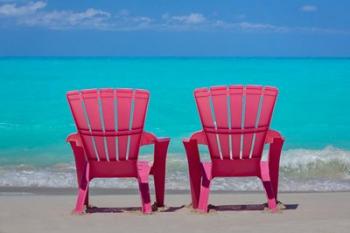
[(249, 207), (95, 209)]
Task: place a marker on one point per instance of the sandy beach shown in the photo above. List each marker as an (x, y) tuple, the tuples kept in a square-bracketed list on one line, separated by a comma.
[(233, 212)]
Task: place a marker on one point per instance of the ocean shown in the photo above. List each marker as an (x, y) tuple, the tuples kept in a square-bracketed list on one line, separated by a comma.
[(312, 113)]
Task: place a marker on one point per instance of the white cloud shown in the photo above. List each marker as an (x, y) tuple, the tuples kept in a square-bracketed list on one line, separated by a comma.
[(240, 16), (90, 18), (309, 8), (192, 18), (322, 30), (262, 27), (124, 12), (29, 15), (124, 16), (123, 20), (34, 14), (12, 9)]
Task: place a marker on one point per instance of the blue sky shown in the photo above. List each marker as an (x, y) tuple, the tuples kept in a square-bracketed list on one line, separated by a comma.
[(175, 28)]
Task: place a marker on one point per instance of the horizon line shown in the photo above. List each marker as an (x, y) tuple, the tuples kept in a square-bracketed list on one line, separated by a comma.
[(172, 56)]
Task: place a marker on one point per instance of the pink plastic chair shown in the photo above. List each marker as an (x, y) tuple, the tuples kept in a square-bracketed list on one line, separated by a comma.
[(110, 125), (236, 121)]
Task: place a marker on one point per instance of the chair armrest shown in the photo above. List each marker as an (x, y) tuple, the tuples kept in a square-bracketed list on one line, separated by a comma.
[(149, 138), (273, 136), (75, 139), (199, 137)]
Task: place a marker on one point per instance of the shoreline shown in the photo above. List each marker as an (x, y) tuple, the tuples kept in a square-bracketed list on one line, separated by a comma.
[(19, 191)]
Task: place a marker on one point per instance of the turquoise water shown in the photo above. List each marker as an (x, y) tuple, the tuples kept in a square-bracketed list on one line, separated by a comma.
[(312, 111)]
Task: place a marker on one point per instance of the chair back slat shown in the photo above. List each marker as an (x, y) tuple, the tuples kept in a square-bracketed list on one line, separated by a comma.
[(108, 104), (139, 113), (252, 100), (91, 103), (236, 100), (78, 110), (205, 112), (124, 101), (268, 101), (220, 105), (109, 121)]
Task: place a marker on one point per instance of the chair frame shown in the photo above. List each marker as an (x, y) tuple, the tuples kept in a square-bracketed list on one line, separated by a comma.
[(88, 168), (202, 173)]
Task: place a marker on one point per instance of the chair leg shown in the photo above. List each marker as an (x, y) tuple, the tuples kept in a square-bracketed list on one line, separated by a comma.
[(159, 171), (271, 197), (159, 184), (274, 160), (83, 190), (194, 169), (144, 188), (82, 170), (204, 196), (265, 177), (81, 199), (87, 198), (205, 187)]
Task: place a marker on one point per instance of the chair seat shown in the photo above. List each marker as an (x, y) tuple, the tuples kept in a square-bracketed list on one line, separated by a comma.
[(118, 169), (233, 168)]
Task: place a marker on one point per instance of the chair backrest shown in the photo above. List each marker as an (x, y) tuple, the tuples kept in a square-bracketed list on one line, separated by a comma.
[(109, 121), (235, 119)]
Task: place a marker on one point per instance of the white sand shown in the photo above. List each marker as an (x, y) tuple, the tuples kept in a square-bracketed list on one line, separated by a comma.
[(316, 212)]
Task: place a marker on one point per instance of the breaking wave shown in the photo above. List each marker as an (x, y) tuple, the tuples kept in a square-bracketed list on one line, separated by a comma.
[(327, 169)]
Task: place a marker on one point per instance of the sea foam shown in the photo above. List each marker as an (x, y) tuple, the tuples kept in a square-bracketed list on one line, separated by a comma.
[(327, 169)]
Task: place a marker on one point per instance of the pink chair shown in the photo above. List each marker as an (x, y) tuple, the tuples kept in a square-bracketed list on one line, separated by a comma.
[(110, 125), (236, 125)]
